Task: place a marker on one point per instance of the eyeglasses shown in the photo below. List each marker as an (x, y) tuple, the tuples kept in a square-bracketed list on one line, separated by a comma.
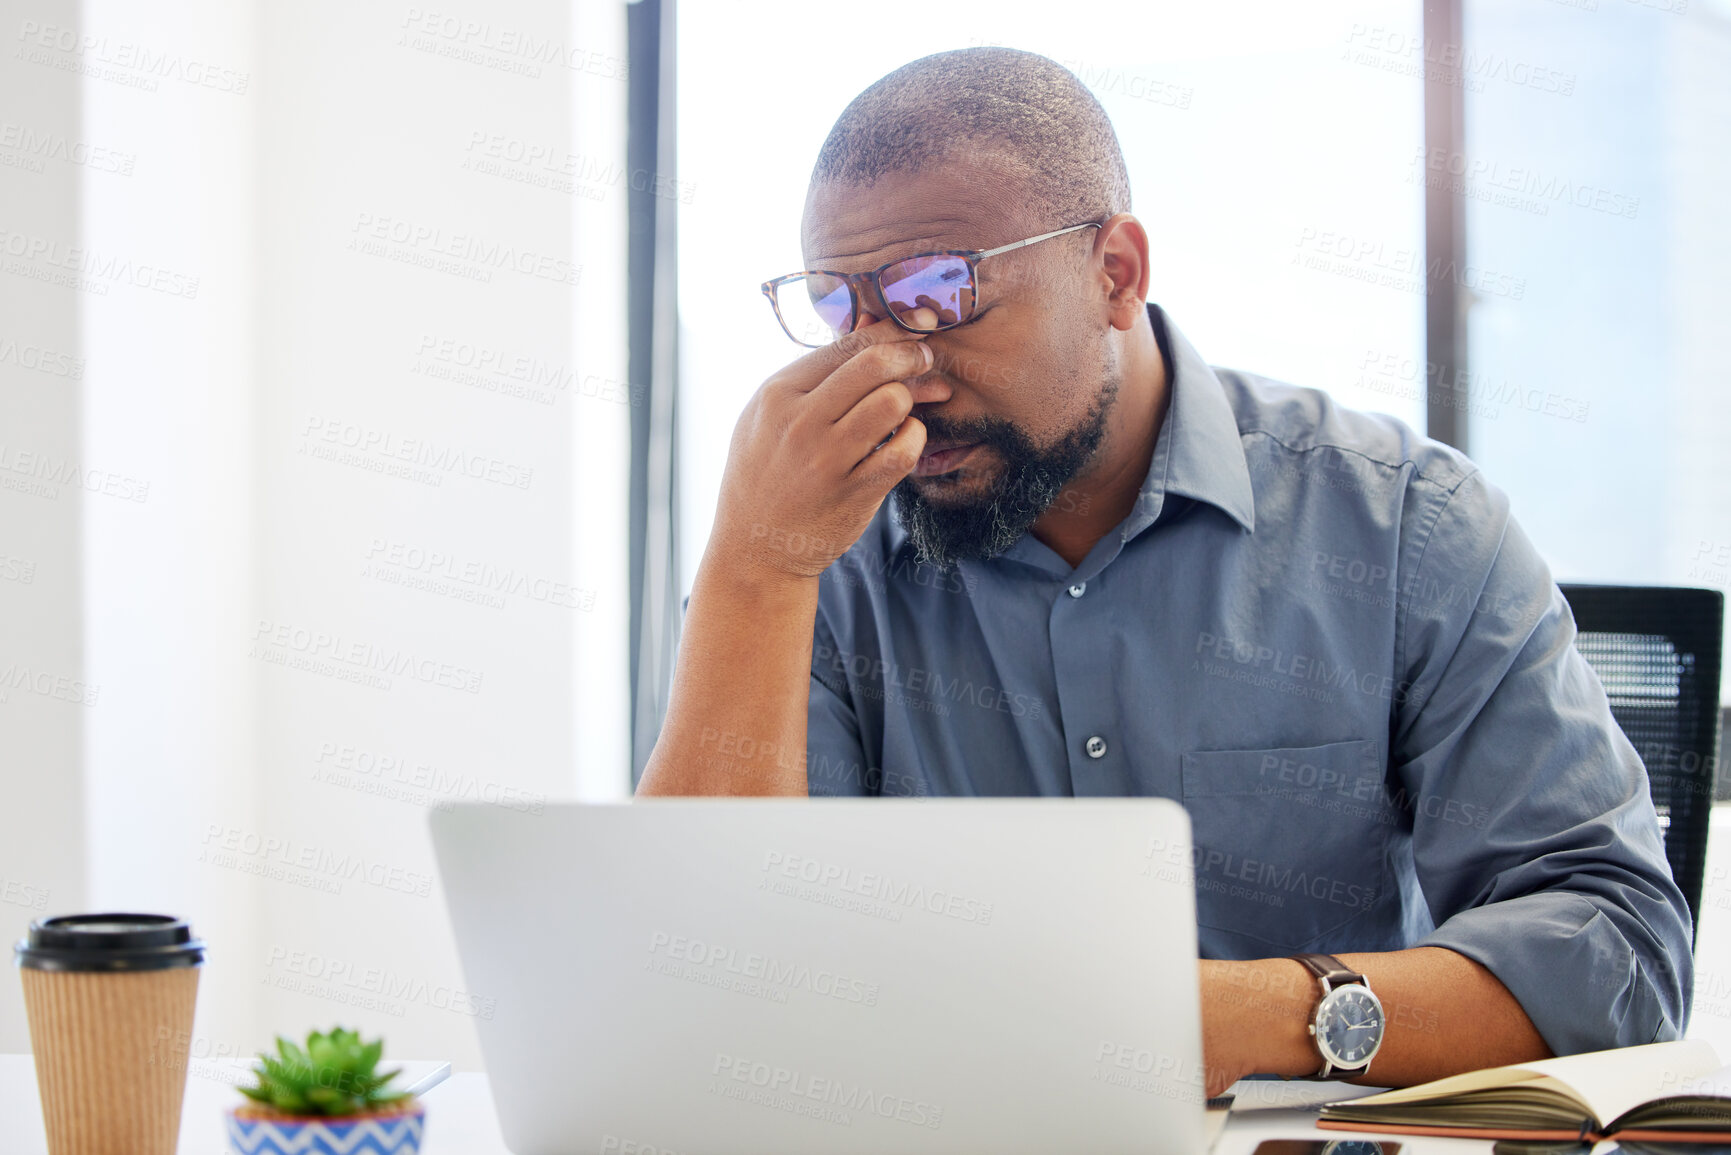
[(815, 307)]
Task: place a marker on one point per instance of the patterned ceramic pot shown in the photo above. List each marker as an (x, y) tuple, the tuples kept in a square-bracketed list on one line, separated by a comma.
[(396, 1132)]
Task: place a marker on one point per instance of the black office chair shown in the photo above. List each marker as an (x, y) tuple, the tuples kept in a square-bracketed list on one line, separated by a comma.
[(1657, 651)]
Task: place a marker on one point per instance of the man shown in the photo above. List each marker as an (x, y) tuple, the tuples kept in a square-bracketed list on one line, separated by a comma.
[(1108, 569)]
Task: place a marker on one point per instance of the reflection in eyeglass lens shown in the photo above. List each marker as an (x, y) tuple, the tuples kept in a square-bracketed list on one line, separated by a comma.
[(941, 284)]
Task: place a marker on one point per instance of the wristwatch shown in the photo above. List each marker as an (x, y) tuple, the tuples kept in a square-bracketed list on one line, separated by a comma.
[(1348, 1021)]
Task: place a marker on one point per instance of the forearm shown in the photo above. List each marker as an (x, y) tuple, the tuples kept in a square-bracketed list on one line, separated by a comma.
[(736, 717), (1445, 1014)]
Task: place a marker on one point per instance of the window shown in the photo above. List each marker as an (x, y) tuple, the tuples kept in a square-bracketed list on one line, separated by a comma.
[(1599, 151)]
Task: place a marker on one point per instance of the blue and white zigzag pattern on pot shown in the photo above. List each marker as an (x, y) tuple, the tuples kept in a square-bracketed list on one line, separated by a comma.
[(390, 1135)]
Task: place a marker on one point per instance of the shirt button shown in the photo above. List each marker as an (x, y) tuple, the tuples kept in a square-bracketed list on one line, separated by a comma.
[(1078, 589), (1096, 747)]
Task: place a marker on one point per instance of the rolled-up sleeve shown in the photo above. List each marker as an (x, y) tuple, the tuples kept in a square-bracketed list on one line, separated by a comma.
[(1535, 841)]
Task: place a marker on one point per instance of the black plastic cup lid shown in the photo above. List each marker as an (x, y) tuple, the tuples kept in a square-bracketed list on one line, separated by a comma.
[(109, 942)]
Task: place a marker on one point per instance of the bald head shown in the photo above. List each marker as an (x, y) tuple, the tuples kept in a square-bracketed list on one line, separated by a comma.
[(1018, 110)]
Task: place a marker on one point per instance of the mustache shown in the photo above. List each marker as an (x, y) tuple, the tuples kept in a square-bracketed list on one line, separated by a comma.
[(994, 431)]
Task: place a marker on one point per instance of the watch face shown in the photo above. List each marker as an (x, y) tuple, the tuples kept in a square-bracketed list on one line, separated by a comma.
[(1349, 1025)]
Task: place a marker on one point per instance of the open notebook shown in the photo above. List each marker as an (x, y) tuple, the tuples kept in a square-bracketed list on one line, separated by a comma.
[(1672, 1092)]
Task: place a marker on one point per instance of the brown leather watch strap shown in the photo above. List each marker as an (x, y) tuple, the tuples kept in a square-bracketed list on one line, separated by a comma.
[(1334, 974), (1328, 968)]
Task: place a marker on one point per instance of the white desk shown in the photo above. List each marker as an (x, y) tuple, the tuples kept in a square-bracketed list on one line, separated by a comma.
[(460, 1119), (210, 1092)]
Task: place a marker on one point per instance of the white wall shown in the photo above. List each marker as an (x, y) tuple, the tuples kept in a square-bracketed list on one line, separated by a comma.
[(168, 403), (380, 563), (44, 695), (348, 318)]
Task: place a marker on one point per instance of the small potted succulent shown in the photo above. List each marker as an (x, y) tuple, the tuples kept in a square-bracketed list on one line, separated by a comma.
[(325, 1099)]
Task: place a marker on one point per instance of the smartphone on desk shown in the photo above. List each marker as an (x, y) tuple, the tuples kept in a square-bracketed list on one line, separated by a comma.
[(1327, 1147)]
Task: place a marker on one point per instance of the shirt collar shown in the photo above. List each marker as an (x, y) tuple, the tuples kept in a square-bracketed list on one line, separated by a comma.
[(1197, 454), (1199, 440)]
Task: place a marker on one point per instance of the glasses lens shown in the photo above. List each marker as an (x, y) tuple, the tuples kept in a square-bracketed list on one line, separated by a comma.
[(942, 284), (815, 309)]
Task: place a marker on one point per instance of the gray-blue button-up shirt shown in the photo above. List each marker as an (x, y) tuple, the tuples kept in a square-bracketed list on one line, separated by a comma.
[(1328, 638)]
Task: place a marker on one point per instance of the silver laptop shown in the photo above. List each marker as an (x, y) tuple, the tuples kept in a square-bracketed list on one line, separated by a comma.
[(833, 977)]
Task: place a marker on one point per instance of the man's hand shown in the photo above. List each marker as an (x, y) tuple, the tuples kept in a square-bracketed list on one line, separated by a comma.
[(811, 460), (809, 464)]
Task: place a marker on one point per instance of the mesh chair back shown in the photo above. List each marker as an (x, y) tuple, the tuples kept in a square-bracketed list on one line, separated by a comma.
[(1657, 651)]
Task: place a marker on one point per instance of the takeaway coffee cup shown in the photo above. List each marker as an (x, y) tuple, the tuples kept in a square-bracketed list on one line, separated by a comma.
[(110, 999)]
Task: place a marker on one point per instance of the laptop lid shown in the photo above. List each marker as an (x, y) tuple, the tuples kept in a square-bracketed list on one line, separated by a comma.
[(782, 976)]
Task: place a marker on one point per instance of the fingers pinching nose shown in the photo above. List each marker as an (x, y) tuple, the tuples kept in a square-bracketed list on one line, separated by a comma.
[(921, 318)]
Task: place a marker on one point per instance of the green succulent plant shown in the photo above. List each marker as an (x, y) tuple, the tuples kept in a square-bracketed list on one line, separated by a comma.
[(333, 1075)]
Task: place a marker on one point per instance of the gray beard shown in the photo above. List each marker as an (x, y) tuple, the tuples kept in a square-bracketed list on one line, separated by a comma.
[(946, 532)]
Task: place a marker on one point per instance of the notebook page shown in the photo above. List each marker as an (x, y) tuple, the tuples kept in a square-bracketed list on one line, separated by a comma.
[(1605, 1083)]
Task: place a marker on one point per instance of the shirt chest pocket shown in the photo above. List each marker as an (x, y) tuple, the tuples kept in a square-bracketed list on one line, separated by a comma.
[(1290, 843)]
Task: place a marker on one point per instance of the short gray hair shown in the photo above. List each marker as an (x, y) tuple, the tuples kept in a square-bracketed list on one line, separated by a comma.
[(1019, 108)]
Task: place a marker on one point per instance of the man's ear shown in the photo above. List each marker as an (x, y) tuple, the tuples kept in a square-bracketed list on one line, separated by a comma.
[(1121, 249)]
